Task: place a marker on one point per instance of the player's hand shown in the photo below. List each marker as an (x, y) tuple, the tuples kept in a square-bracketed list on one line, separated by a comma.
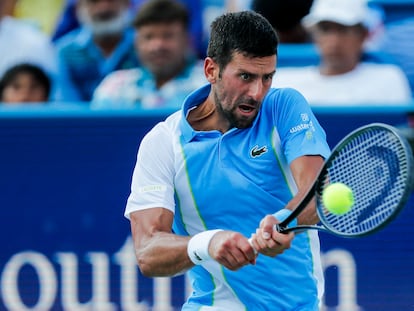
[(268, 241), (231, 249)]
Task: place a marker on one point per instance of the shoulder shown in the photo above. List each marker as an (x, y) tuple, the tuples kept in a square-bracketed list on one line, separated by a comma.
[(280, 103), (119, 84), (24, 31), (74, 39), (375, 68), (164, 131), (124, 76), (390, 74), (283, 95), (13, 25), (194, 72), (289, 76), (196, 66)]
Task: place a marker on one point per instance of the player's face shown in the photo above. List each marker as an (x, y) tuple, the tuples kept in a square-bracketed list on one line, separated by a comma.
[(240, 88)]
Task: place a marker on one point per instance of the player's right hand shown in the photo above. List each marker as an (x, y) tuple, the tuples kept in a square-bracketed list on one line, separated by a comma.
[(231, 249)]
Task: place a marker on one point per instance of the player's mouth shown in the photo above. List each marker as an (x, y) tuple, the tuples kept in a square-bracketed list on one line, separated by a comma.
[(247, 110)]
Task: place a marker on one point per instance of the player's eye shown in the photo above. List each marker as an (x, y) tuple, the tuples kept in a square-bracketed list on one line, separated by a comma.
[(268, 78), (245, 76)]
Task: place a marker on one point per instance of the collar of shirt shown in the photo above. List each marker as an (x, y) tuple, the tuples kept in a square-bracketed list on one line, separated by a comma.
[(192, 101)]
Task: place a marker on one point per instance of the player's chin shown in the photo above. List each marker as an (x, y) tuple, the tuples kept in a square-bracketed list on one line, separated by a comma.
[(244, 123), (245, 120)]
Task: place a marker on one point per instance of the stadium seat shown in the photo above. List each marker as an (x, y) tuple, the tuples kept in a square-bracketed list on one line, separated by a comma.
[(306, 54), (395, 9)]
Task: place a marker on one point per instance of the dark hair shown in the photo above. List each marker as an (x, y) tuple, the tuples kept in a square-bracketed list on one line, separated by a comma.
[(35, 71), (161, 11), (246, 32)]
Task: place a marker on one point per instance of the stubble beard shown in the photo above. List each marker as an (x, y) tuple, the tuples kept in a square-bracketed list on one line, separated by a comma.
[(231, 115)]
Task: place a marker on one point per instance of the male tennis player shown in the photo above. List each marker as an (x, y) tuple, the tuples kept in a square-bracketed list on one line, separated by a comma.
[(206, 177)]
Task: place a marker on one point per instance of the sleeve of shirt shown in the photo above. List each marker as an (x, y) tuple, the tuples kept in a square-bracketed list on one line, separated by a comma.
[(153, 177), (300, 132)]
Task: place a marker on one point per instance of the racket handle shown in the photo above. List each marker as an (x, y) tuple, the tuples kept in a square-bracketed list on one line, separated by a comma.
[(251, 244)]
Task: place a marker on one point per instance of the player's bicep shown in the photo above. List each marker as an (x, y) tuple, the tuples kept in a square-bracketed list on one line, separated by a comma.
[(305, 169)]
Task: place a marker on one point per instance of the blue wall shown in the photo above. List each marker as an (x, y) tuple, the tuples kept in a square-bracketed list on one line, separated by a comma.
[(64, 180)]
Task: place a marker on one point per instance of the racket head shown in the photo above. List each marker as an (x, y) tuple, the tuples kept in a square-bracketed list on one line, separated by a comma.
[(376, 162)]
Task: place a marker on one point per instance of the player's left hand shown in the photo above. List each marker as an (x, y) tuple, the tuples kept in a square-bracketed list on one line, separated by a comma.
[(268, 241)]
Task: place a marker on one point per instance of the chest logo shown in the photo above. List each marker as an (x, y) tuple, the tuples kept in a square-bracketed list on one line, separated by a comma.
[(257, 152)]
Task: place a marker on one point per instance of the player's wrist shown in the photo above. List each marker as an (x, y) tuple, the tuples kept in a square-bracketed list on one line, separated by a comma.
[(197, 248), (284, 213)]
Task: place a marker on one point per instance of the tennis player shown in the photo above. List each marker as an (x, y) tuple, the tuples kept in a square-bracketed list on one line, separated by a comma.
[(213, 173)]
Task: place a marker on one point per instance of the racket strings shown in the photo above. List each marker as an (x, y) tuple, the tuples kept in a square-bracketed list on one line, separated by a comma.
[(374, 164)]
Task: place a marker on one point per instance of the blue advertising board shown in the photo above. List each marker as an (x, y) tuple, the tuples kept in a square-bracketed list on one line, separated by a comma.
[(65, 245)]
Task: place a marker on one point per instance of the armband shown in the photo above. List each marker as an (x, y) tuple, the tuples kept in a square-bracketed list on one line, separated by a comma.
[(283, 214), (197, 248)]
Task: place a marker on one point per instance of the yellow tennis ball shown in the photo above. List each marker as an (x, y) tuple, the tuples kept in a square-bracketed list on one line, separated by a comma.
[(338, 198)]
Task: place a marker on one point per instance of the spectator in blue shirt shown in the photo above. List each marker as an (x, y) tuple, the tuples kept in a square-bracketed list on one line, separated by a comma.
[(102, 44), (68, 21)]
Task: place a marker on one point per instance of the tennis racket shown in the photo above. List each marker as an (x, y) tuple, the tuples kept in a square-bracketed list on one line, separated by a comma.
[(376, 162)]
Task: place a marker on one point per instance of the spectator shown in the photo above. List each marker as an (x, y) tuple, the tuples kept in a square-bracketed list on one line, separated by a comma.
[(103, 43), (340, 30), (24, 83), (195, 25), (169, 70), (285, 17), (22, 42), (68, 21)]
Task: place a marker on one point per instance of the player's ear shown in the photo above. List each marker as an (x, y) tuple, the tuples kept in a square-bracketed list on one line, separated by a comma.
[(211, 70)]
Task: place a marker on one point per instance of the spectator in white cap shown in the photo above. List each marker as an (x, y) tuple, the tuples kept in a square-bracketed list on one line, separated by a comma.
[(347, 13), (340, 29)]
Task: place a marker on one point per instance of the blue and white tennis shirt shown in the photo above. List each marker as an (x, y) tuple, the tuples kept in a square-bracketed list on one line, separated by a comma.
[(231, 181)]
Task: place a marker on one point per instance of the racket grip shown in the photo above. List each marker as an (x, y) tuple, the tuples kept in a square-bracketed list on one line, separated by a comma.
[(278, 228), (296, 229), (251, 244)]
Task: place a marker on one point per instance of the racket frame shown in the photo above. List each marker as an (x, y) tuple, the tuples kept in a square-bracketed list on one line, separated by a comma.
[(316, 187)]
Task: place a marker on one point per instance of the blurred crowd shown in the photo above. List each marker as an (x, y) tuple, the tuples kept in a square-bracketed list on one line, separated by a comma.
[(111, 54)]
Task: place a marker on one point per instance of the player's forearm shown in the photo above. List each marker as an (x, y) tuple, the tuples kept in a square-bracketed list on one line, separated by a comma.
[(164, 254), (305, 170), (309, 215)]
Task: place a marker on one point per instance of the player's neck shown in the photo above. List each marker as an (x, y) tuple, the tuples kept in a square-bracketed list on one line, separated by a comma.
[(206, 117)]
